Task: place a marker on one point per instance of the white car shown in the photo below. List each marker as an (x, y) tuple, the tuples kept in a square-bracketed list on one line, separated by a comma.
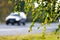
[(16, 17)]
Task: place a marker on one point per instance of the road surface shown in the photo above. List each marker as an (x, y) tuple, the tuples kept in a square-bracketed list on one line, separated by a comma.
[(16, 30)]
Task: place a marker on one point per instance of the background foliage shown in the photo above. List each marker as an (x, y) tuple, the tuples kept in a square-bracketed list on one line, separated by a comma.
[(48, 11)]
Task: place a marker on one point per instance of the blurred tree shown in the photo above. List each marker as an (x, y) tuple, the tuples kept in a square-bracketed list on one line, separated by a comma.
[(46, 11)]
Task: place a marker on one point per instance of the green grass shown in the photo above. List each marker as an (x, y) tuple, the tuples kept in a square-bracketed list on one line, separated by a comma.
[(50, 36)]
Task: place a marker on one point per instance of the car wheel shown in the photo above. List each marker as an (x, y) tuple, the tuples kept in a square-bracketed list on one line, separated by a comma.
[(7, 23), (23, 23), (12, 23)]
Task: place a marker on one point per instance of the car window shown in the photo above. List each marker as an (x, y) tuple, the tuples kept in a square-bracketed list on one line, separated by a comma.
[(15, 15)]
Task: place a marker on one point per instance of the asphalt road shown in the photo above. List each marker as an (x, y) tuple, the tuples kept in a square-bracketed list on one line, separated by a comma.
[(16, 30)]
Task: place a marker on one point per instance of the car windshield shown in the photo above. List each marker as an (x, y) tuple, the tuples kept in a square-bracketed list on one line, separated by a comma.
[(14, 15)]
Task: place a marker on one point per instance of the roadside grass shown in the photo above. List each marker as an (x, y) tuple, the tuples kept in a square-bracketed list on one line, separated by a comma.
[(48, 36)]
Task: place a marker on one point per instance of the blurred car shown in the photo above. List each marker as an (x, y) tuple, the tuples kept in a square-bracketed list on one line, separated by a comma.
[(16, 17)]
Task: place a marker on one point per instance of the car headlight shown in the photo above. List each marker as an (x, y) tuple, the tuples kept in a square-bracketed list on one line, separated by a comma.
[(17, 19)]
